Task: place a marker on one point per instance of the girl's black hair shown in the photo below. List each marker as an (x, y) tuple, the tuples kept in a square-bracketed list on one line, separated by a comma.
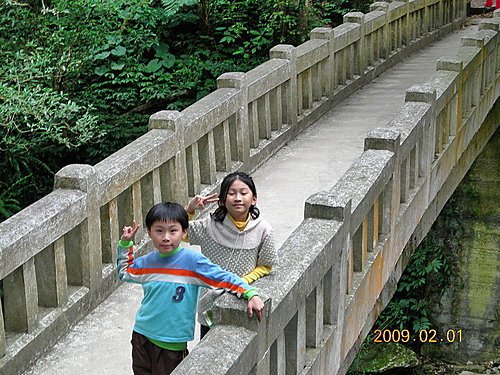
[(220, 213), (167, 212)]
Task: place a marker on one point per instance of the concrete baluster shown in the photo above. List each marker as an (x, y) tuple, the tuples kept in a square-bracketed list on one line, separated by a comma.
[(359, 52), (404, 191), (83, 243), (176, 177), (305, 88), (371, 227), (222, 143), (314, 317), (295, 342), (21, 299), (456, 115), (3, 344), (408, 24), (425, 93), (276, 102), (264, 116), (440, 13), (278, 356), (328, 78), (290, 104), (206, 152), (385, 43), (415, 151), (51, 275), (239, 130), (253, 124), (425, 19), (359, 247)]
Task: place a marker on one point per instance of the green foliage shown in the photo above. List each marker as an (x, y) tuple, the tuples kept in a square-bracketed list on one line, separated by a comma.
[(427, 275), (79, 78), (332, 12)]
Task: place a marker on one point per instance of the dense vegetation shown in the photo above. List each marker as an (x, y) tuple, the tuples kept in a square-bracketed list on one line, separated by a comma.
[(79, 78)]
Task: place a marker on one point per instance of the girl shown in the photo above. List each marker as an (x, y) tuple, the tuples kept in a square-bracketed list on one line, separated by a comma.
[(234, 236)]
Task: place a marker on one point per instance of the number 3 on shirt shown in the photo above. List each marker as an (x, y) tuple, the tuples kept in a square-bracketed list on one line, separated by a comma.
[(179, 294)]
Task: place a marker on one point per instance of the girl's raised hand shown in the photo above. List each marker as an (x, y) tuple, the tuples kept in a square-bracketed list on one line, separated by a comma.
[(128, 233), (199, 202)]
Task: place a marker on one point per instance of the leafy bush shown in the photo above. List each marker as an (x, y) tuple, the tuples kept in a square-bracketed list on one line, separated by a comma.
[(79, 78)]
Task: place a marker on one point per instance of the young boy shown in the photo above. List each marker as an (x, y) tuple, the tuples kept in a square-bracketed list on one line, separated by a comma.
[(171, 277)]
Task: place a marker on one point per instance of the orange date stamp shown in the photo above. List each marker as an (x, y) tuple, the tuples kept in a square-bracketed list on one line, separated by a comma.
[(422, 336)]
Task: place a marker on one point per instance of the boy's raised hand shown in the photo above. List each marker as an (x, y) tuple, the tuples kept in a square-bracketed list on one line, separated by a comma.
[(199, 202), (255, 305), (128, 233)]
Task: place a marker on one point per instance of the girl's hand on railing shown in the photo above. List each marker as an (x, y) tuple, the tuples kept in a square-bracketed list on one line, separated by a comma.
[(129, 232), (199, 202)]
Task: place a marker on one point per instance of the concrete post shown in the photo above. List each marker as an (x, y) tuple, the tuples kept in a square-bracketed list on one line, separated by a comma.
[(387, 139), (335, 205), (490, 24), (493, 24), (478, 81), (178, 180), (240, 137), (229, 311), (85, 257), (328, 34), (360, 58), (287, 52)]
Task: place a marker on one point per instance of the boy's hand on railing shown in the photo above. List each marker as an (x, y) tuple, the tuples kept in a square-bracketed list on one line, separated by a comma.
[(255, 305), (129, 232), (199, 202)]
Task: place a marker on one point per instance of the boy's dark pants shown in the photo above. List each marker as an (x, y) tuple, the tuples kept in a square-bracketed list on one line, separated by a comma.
[(149, 359)]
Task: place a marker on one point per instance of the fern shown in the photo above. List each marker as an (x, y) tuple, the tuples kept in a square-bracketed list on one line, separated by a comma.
[(172, 7)]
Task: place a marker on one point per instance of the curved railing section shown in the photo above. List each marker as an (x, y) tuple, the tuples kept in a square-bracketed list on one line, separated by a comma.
[(57, 256), (321, 303)]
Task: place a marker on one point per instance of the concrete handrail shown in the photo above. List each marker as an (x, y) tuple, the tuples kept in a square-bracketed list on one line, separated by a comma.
[(63, 265)]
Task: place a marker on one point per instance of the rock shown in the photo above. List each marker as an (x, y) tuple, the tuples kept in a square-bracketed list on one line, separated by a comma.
[(376, 358)]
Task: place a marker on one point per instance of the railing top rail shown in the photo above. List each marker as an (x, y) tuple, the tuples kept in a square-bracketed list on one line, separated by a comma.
[(205, 114)]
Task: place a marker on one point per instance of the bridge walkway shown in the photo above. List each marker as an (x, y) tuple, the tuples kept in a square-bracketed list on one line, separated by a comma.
[(315, 159)]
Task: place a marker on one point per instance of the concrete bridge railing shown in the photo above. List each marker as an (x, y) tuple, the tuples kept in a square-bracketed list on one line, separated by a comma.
[(57, 256), (341, 265)]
